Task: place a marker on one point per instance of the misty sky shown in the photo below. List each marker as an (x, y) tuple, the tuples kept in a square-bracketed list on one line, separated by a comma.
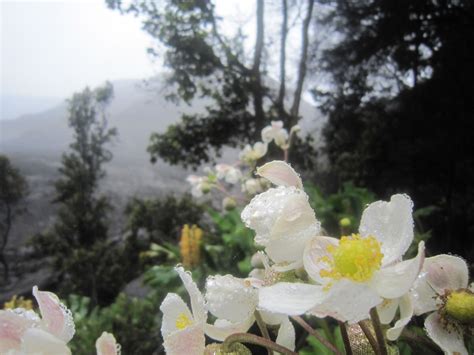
[(54, 48)]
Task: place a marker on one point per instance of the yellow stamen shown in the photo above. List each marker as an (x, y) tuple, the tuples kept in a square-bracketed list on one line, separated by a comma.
[(355, 258), (183, 321)]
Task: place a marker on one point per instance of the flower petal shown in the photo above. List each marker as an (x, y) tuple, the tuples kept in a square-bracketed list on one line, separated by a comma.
[(387, 310), (189, 341), (347, 301), (39, 342), (107, 345), (56, 317), (391, 223), (286, 335), (172, 307), (290, 298), (446, 272), (406, 312), (396, 280), (230, 298), (222, 328), (280, 174), (197, 300), (314, 252), (12, 328), (447, 336)]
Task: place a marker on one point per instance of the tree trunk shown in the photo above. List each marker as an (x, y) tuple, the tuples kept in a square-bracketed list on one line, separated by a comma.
[(284, 33), (257, 79), (302, 66)]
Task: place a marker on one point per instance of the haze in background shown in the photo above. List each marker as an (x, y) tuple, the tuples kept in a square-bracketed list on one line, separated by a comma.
[(51, 49)]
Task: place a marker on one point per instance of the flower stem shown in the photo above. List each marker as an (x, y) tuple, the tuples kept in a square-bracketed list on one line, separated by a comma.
[(378, 331), (263, 329), (345, 338), (419, 340), (316, 334), (369, 336), (254, 339)]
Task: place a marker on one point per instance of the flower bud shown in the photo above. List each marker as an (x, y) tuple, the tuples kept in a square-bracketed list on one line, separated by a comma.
[(228, 203), (459, 305), (345, 222)]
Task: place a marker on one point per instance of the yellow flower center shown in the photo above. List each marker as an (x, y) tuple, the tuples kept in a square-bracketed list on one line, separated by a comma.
[(355, 258), (460, 306), (183, 321)]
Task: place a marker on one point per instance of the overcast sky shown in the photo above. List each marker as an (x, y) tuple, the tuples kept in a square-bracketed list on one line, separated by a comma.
[(54, 48)]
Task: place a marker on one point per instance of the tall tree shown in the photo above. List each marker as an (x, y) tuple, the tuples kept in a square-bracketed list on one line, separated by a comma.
[(13, 189), (400, 113), (205, 62), (78, 240)]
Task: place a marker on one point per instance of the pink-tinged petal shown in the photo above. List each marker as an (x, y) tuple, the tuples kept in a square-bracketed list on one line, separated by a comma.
[(189, 341), (173, 307), (392, 224), (315, 252), (222, 328), (347, 301), (447, 336), (446, 272), (387, 310), (406, 313), (396, 280), (54, 314), (107, 345), (280, 174), (197, 299), (286, 335), (12, 328), (40, 342), (290, 298)]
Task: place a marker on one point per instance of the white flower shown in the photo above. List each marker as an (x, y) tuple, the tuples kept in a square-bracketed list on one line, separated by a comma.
[(107, 345), (22, 332), (442, 288), (277, 133), (183, 331), (283, 222), (252, 186), (228, 173), (251, 154), (355, 273), (199, 185)]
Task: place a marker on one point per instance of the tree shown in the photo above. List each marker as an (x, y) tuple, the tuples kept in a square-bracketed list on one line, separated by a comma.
[(204, 62), (78, 240), (400, 112), (13, 189)]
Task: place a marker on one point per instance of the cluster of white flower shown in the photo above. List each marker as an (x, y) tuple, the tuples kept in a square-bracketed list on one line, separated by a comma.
[(241, 172), (351, 279), (23, 332)]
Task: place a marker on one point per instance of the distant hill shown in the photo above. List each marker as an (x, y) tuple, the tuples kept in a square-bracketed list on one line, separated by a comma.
[(14, 106), (35, 143)]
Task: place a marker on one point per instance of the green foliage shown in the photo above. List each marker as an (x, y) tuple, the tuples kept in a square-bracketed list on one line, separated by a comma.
[(316, 347), (205, 62), (163, 218), (349, 202), (85, 261), (231, 246), (132, 321), (13, 189), (385, 125)]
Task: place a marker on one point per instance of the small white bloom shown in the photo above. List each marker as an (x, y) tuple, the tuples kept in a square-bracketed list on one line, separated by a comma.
[(107, 345), (277, 133), (199, 185), (252, 186), (250, 154), (228, 173)]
